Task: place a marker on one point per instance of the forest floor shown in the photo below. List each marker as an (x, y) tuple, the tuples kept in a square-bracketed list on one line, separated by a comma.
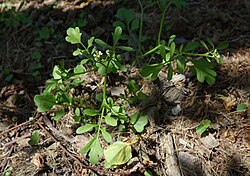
[(224, 150)]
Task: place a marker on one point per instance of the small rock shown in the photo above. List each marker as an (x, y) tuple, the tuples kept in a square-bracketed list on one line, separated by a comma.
[(176, 110), (117, 91), (210, 142)]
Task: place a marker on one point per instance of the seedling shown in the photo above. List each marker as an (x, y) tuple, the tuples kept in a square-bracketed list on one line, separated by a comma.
[(242, 107), (203, 126), (80, 22), (34, 138), (58, 93)]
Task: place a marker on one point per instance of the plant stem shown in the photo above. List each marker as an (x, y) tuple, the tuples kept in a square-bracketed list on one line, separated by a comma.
[(141, 22), (104, 102), (162, 21), (84, 47)]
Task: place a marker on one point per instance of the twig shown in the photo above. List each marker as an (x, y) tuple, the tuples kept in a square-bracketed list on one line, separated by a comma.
[(18, 126), (16, 140), (55, 131), (6, 160)]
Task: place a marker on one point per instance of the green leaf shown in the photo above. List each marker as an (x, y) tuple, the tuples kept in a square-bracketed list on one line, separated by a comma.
[(34, 138), (77, 111), (203, 126), (191, 46), (147, 173), (95, 152), (241, 107), (110, 101), (107, 137), (74, 35), (171, 39), (204, 45), (117, 153), (118, 111), (141, 95), (200, 75), (44, 33), (139, 121), (59, 114), (180, 3), (172, 49), (90, 112), (210, 80), (117, 35), (77, 116), (85, 128), (36, 55), (126, 15), (99, 97), (44, 102), (209, 40), (125, 48), (162, 52), (170, 72), (222, 45), (151, 71), (90, 42), (181, 47), (181, 64), (204, 70), (101, 68), (122, 128), (133, 86), (135, 24), (112, 121), (56, 72), (79, 69), (84, 61), (77, 52), (119, 23), (87, 147), (102, 44)]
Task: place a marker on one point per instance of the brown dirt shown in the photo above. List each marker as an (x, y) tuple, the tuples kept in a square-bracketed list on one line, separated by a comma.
[(223, 151)]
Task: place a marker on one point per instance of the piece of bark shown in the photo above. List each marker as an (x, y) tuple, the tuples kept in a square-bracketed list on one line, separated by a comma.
[(168, 153)]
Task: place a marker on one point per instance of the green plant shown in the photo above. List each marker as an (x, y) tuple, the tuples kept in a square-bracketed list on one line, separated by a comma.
[(9, 171), (136, 94), (126, 19), (202, 55), (44, 33), (203, 126), (34, 139), (58, 95), (13, 18), (97, 56), (81, 21), (133, 24), (200, 64), (242, 107), (7, 75)]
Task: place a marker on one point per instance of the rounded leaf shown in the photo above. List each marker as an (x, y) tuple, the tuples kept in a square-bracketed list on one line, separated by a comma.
[(44, 102), (117, 153)]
